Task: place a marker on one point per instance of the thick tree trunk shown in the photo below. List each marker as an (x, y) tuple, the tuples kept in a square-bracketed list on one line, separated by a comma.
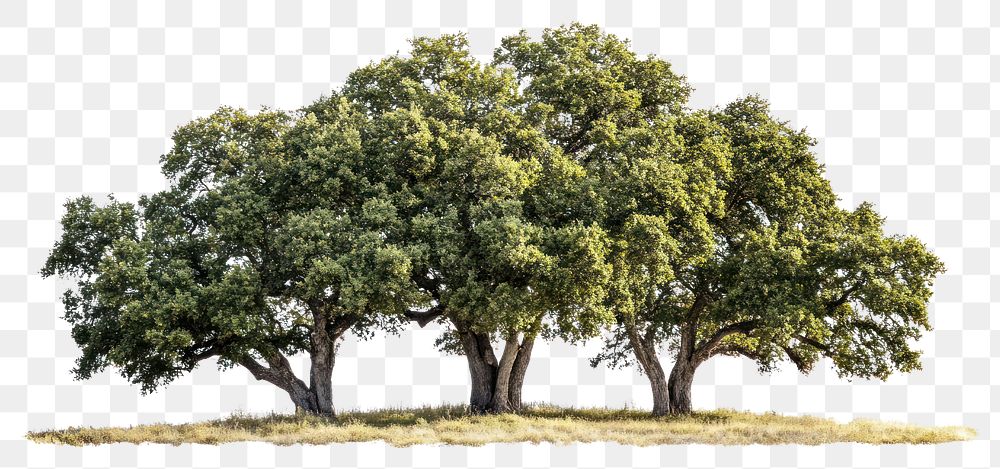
[(657, 384), (305, 400), (496, 384), (689, 356), (692, 354), (279, 373), (322, 359), (501, 390), (645, 354), (316, 397), (482, 369), (681, 378)]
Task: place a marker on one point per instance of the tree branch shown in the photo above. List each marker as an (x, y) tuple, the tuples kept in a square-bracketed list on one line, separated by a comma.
[(815, 344), (211, 351), (704, 349), (832, 305), (797, 359), (431, 285), (279, 373), (423, 318), (341, 324), (736, 349)]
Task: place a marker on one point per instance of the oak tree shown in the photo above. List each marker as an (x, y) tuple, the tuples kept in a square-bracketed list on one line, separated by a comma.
[(790, 277), (562, 189), (467, 164), (231, 262), (725, 236), (616, 117)]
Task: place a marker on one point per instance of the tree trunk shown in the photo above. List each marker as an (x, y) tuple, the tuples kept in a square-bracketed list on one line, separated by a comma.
[(689, 357), (482, 369), (316, 397), (519, 370), (322, 359), (681, 378), (304, 399), (496, 384), (501, 390), (658, 385), (279, 373), (645, 354)]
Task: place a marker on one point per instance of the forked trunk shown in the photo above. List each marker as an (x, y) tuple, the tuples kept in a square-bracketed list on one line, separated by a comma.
[(279, 373), (303, 398), (501, 390), (316, 397), (645, 353), (496, 384), (689, 356)]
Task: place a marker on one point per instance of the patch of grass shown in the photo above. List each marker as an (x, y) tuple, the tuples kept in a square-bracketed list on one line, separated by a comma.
[(541, 423)]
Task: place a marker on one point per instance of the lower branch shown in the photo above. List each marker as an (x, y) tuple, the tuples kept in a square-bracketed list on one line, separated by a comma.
[(279, 373), (423, 318)]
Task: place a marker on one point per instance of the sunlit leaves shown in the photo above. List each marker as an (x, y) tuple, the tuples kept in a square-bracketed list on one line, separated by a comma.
[(564, 186)]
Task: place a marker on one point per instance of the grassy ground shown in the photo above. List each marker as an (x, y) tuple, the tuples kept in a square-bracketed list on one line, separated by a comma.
[(453, 425)]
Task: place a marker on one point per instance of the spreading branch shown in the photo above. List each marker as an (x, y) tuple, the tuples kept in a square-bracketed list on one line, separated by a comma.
[(832, 305), (800, 363), (341, 324), (209, 350), (705, 349), (278, 372), (423, 318), (734, 349), (815, 344)]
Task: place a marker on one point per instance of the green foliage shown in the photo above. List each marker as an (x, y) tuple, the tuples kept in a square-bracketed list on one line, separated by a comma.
[(721, 226), (565, 184), (233, 260), (466, 166), (813, 278)]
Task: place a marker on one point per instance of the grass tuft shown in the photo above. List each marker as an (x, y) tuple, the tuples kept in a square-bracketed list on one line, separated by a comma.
[(454, 425)]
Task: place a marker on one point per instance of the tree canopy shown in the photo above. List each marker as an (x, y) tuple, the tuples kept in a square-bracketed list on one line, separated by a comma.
[(562, 190), (229, 262), (468, 165), (725, 238)]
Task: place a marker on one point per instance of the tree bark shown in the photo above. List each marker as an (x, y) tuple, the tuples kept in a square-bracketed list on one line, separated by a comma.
[(482, 368), (279, 373), (501, 390), (679, 386), (689, 357), (692, 354), (322, 359), (519, 370), (316, 397), (645, 353), (496, 384)]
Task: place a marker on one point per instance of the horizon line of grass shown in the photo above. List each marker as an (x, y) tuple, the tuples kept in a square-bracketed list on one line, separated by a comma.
[(454, 425)]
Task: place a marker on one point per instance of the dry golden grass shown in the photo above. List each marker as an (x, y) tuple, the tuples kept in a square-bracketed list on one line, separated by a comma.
[(454, 426)]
